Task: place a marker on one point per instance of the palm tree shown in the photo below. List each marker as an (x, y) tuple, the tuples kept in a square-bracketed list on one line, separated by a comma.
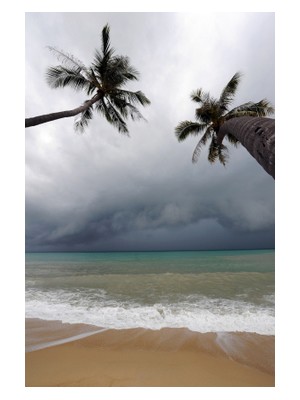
[(103, 82), (245, 124)]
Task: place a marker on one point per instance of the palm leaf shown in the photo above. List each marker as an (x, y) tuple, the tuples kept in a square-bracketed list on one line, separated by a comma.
[(133, 97), (134, 113), (116, 119), (197, 96), (93, 83), (200, 144), (106, 40), (61, 76), (209, 111), (67, 59), (102, 59), (223, 154), (264, 107), (101, 64), (232, 139), (251, 109), (120, 104), (84, 119), (186, 128), (126, 109), (111, 114), (121, 65), (116, 71), (228, 92), (217, 152), (213, 151)]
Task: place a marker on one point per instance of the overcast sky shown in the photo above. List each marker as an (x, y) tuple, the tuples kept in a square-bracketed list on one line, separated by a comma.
[(104, 191)]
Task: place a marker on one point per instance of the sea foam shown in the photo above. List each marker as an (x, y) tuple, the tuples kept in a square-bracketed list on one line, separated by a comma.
[(204, 315)]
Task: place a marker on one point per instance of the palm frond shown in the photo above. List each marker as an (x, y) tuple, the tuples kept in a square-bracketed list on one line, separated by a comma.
[(115, 72), (209, 112), (84, 119), (200, 144), (98, 64), (122, 65), (232, 139), (259, 109), (132, 97), (240, 113), (116, 119), (128, 109), (186, 128), (266, 107), (228, 92), (61, 76), (106, 40), (124, 101), (67, 59), (112, 116), (102, 59), (120, 104), (134, 113), (197, 95), (217, 152), (213, 151), (101, 63), (223, 154), (93, 80), (93, 83)]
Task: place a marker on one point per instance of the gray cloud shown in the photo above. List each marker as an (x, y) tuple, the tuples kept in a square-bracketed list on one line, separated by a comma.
[(104, 191)]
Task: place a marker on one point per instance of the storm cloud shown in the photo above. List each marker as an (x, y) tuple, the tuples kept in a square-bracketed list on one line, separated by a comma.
[(104, 191)]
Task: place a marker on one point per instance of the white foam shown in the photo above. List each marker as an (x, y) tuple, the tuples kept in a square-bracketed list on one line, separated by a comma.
[(40, 346), (201, 315)]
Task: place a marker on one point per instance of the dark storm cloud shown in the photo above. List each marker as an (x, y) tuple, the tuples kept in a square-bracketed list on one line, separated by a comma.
[(103, 191)]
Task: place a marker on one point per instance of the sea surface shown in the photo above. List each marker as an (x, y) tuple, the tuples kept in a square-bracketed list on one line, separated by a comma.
[(204, 291)]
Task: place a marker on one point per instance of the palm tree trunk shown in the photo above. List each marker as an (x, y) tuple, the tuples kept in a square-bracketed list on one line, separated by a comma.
[(257, 135), (41, 119)]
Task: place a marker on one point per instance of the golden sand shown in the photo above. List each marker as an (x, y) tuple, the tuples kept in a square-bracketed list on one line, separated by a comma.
[(140, 357)]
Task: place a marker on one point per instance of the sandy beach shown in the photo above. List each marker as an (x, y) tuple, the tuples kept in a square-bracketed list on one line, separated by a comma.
[(79, 355)]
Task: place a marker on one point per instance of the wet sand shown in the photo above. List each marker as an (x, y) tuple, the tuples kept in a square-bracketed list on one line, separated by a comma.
[(84, 355)]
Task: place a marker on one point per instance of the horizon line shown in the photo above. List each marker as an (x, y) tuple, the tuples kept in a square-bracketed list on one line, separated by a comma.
[(142, 251)]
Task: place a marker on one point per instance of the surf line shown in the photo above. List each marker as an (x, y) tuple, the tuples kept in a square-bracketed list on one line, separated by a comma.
[(62, 341)]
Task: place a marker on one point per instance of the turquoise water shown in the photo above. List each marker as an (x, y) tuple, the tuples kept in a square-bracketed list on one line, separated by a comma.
[(201, 290)]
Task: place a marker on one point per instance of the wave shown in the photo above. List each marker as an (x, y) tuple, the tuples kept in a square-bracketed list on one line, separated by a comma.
[(197, 313)]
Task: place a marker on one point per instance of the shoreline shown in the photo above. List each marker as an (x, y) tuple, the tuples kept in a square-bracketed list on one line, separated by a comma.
[(61, 354)]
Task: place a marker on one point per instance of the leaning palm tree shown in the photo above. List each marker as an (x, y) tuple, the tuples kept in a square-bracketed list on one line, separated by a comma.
[(103, 82), (245, 124)]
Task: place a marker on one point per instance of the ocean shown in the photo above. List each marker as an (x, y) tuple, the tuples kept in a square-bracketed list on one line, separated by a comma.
[(204, 291)]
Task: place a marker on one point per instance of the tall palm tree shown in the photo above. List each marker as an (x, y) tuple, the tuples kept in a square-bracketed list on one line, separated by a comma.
[(245, 124), (103, 82)]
